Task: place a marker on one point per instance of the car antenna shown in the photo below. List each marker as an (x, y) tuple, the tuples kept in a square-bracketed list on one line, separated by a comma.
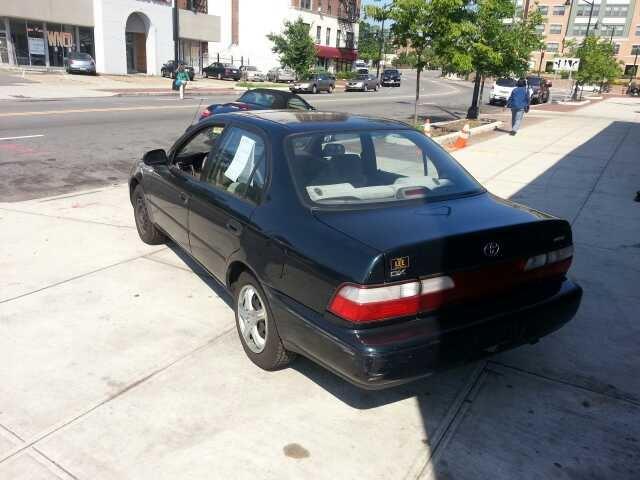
[(196, 112)]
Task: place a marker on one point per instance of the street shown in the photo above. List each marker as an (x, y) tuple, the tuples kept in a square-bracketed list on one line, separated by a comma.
[(58, 146)]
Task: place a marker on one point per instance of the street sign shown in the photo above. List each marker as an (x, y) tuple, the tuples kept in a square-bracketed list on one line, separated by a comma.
[(566, 64)]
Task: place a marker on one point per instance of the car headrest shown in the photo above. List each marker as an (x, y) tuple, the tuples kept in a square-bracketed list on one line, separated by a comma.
[(332, 149)]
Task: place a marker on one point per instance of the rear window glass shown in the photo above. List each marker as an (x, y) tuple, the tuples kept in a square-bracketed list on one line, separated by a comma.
[(506, 82), (371, 167), (391, 72), (80, 56), (259, 98)]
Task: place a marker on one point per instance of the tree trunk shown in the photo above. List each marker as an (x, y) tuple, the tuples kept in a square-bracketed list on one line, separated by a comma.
[(415, 105), (473, 111)]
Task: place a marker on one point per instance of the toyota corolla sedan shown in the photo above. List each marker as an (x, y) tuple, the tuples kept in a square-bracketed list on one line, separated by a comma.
[(356, 242)]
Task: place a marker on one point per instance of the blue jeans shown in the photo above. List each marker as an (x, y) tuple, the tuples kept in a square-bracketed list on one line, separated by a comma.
[(516, 119)]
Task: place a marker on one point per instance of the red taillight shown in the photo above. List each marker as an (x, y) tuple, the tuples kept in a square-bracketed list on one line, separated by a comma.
[(361, 304), (205, 113)]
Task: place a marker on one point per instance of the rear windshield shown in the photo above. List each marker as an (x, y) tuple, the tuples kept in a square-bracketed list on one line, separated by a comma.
[(258, 98), (363, 77), (371, 167), (391, 72), (506, 82), (79, 56)]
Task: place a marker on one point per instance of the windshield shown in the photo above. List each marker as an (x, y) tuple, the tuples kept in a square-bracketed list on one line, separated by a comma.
[(79, 56), (506, 82), (258, 98), (368, 167), (391, 72)]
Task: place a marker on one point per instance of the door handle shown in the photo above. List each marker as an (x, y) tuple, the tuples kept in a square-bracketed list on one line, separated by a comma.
[(234, 227)]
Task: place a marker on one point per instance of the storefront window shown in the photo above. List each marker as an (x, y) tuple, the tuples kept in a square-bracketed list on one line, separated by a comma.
[(18, 30), (60, 39), (35, 39), (86, 41), (4, 52)]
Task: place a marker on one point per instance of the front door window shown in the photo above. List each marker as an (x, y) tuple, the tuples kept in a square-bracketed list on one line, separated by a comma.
[(192, 157)]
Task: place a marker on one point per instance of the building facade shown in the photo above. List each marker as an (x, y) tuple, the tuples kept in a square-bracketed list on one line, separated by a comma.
[(123, 36), (617, 21), (333, 25)]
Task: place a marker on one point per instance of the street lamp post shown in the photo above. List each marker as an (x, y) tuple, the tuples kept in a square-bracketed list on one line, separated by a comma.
[(591, 3)]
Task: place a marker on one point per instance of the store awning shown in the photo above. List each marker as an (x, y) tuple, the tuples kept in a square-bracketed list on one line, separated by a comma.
[(339, 53)]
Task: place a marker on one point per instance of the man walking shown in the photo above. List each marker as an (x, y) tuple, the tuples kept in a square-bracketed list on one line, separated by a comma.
[(519, 104)]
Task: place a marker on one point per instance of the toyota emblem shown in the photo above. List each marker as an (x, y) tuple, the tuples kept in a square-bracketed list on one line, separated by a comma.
[(491, 249)]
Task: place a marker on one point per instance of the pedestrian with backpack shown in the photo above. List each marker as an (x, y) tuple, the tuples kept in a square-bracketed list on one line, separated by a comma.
[(182, 77)]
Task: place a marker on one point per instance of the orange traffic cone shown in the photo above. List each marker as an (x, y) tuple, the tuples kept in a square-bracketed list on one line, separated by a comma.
[(462, 140), (427, 127)]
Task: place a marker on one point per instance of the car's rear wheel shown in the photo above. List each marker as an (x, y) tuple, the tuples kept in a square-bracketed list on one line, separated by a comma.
[(256, 326), (146, 229)]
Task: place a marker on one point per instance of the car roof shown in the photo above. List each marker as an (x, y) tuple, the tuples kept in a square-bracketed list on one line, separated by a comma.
[(271, 91), (306, 121)]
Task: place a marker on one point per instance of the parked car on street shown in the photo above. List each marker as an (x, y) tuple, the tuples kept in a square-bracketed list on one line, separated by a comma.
[(170, 68), (363, 83), (278, 75), (251, 74), (80, 62), (501, 90), (539, 88), (357, 242), (390, 76), (633, 89), (314, 83), (259, 99), (222, 71)]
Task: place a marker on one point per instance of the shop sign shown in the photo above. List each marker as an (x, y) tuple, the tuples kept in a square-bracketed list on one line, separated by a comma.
[(60, 39), (36, 46)]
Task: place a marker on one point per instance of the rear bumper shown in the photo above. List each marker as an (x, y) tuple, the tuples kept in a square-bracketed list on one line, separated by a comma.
[(389, 355)]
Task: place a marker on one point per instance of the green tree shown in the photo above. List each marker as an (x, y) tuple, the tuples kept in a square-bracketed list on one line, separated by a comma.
[(598, 63), (412, 22), (294, 46), (476, 37)]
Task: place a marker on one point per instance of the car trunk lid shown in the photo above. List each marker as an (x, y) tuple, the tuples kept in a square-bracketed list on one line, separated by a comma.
[(481, 232)]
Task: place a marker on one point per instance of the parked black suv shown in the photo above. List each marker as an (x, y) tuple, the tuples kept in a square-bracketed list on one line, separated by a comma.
[(391, 77), (170, 68), (539, 88)]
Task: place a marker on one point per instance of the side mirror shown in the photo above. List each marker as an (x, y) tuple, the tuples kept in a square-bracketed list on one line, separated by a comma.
[(155, 157), (549, 84)]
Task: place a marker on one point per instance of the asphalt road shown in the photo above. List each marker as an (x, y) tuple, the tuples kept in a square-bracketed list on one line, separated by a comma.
[(60, 146)]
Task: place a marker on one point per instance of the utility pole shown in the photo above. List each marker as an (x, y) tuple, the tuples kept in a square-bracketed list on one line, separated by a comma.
[(586, 35), (381, 52), (176, 31)]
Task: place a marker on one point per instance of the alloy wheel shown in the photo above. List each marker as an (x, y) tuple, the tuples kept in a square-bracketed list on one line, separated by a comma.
[(252, 318), (142, 216)]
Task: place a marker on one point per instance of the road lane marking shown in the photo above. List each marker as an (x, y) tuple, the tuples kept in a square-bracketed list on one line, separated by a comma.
[(23, 136), (95, 110)]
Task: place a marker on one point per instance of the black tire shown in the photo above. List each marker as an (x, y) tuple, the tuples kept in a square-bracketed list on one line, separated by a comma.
[(273, 356), (146, 229)]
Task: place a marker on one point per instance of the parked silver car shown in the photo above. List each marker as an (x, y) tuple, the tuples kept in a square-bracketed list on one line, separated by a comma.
[(252, 74), (281, 75), (363, 83), (80, 62)]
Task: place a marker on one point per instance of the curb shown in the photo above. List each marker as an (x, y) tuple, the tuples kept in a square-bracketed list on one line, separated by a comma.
[(193, 93), (446, 140)]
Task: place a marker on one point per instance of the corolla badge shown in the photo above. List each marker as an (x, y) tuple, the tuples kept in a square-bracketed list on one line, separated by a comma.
[(491, 249)]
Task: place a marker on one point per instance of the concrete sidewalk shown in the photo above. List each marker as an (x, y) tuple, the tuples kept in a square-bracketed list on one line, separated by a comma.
[(121, 360), (36, 85)]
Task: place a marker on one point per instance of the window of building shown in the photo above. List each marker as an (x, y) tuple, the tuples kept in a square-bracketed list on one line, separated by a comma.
[(543, 9), (540, 28), (616, 10), (328, 37), (61, 41), (552, 46), (349, 40), (18, 29), (616, 48), (630, 70), (635, 49), (4, 50), (306, 4), (637, 30), (36, 41), (329, 7), (338, 34), (86, 41), (558, 10), (318, 34), (580, 30), (584, 10), (609, 30), (555, 28)]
